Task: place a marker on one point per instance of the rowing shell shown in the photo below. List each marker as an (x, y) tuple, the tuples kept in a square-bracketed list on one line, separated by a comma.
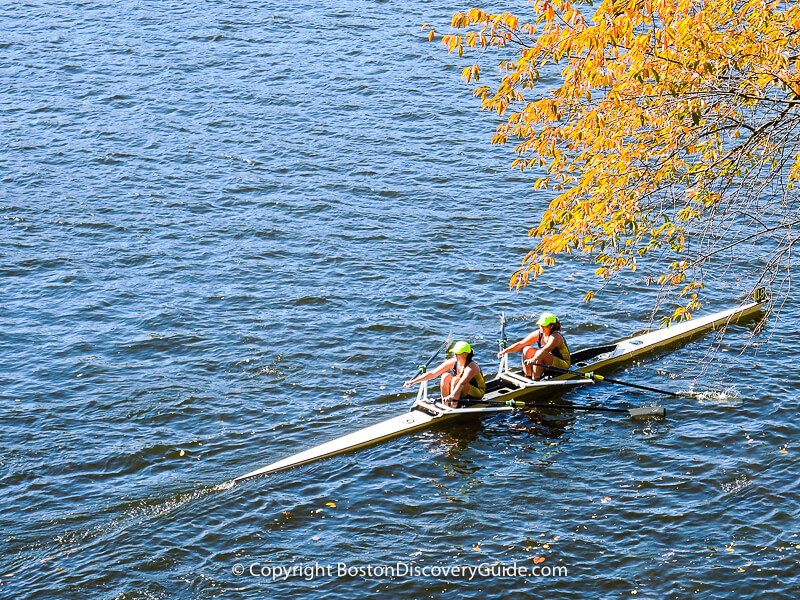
[(509, 384)]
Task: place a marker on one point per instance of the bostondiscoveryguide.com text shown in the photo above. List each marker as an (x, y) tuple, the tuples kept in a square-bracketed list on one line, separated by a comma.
[(398, 570)]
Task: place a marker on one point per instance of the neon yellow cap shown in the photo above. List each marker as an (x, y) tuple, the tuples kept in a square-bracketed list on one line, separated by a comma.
[(460, 348), (547, 319)]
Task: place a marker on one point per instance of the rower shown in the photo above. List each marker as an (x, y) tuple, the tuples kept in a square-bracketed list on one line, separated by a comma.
[(545, 347), (461, 376)]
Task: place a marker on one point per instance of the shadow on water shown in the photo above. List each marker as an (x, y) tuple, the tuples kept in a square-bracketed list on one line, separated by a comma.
[(465, 446)]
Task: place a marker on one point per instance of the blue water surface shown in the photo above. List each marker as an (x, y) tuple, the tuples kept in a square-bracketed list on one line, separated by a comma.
[(229, 232)]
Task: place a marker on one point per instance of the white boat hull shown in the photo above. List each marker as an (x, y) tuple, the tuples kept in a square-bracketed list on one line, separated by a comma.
[(400, 424), (511, 385)]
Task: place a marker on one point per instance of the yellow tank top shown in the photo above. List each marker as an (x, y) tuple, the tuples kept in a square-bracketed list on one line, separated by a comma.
[(477, 382), (561, 351)]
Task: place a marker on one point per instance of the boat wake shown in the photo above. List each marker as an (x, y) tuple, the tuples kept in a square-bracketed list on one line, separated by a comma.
[(107, 524)]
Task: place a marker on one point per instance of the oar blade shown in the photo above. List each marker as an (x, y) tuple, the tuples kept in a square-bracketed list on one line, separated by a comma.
[(443, 348), (648, 412), (448, 342)]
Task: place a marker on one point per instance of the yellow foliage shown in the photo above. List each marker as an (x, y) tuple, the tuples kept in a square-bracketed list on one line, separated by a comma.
[(654, 95)]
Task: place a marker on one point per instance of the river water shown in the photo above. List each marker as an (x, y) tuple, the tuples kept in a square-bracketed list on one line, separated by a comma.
[(229, 232)]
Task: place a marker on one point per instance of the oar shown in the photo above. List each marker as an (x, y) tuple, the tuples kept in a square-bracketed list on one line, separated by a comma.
[(422, 394), (637, 413), (503, 341), (594, 377), (445, 345)]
